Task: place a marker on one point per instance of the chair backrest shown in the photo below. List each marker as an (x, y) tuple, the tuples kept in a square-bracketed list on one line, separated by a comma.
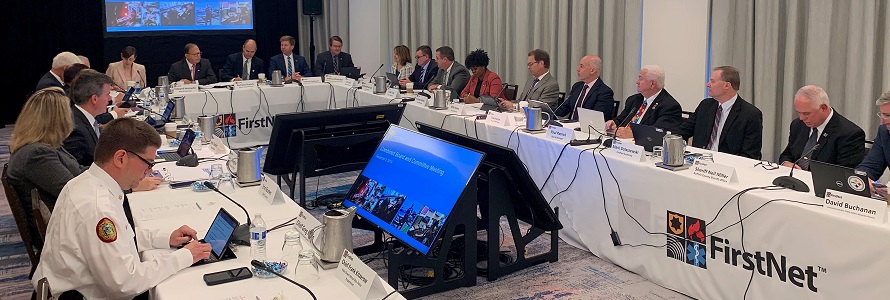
[(510, 91), (42, 291), (41, 213), (18, 212), (561, 99), (616, 106)]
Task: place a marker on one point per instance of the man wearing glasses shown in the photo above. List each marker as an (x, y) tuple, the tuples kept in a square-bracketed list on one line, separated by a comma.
[(92, 248), (192, 68), (543, 87), (725, 122), (425, 70), (878, 158)]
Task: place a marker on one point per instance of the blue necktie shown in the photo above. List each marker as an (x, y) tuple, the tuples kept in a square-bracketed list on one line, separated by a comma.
[(422, 74), (290, 67), (96, 128), (531, 88)]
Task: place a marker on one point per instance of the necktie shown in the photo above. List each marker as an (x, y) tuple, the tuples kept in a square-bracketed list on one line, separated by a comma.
[(715, 129), (445, 80), (639, 115), (533, 87), (129, 213), (96, 127), (811, 142), (246, 73), (290, 67), (336, 65), (422, 74), (193, 72), (579, 102)]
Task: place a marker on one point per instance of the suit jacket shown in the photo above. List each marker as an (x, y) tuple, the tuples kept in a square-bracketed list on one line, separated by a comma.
[(878, 158), (742, 132), (600, 97), (81, 142), (324, 63), (432, 69), (491, 85), (203, 72), (116, 72), (457, 80), (547, 90), (841, 143), (300, 65), (234, 67), (48, 80), (664, 112)]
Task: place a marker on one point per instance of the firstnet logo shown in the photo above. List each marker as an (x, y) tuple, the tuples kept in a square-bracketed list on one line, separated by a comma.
[(686, 242)]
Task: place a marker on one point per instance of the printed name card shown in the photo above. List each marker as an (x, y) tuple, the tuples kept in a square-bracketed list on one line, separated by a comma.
[(185, 88), (306, 80), (420, 100), (562, 134), (357, 276), (305, 223), (392, 93), (862, 207), (243, 84), (714, 171), (217, 146), (369, 87), (500, 119), (271, 191), (456, 108), (628, 151), (334, 79)]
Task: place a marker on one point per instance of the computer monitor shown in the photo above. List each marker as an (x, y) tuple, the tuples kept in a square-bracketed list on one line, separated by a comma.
[(528, 202), (412, 184), (290, 129)]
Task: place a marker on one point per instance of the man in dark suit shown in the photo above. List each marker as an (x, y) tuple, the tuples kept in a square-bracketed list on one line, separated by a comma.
[(234, 69), (425, 70), (653, 106), (330, 62), (192, 68), (55, 76), (90, 92), (292, 66), (452, 75), (821, 133), (878, 157), (725, 122), (593, 92)]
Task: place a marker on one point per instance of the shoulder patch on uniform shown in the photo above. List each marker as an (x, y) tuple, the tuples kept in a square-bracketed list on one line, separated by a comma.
[(106, 230)]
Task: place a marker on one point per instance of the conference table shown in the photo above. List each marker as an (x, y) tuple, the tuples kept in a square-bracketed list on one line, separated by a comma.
[(167, 209), (788, 245)]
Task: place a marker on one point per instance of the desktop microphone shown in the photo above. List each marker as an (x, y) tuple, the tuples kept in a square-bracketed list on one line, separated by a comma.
[(242, 232), (375, 72), (608, 142), (263, 266), (791, 183)]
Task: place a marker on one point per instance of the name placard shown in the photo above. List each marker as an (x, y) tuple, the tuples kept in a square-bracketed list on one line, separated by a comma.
[(356, 275), (628, 151), (392, 93), (217, 146), (334, 79), (714, 171), (186, 88), (866, 208), (500, 119), (270, 191), (305, 223), (369, 87), (456, 108), (421, 100), (306, 80), (243, 84), (562, 134)]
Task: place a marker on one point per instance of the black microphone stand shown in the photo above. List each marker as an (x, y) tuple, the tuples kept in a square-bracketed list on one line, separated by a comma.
[(791, 183)]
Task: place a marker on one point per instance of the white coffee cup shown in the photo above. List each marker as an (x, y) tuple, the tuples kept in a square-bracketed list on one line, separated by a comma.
[(131, 83), (409, 87), (262, 78), (170, 129)]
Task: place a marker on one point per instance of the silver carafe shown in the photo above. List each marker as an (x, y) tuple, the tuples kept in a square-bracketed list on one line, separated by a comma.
[(246, 164), (440, 99), (533, 120), (336, 235), (179, 109), (674, 150), (276, 78), (207, 125), (380, 85)]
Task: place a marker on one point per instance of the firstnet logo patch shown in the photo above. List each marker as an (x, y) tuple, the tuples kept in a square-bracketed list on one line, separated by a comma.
[(686, 239), (226, 125)]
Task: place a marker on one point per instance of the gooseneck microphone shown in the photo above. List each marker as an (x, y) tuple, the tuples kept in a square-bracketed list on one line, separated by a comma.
[(375, 72), (791, 183), (242, 232), (263, 266), (608, 142)]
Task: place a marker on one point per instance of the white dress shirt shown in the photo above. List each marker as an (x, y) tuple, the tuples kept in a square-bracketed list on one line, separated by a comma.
[(727, 106), (821, 127), (648, 104)]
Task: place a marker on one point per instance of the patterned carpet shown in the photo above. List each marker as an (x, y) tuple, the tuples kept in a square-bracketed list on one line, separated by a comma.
[(577, 275)]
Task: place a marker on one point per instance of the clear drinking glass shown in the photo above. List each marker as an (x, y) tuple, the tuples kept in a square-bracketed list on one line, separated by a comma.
[(216, 172), (292, 247), (657, 153), (307, 267)]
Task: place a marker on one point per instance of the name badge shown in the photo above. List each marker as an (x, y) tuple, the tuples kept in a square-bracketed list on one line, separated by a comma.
[(357, 276), (562, 134), (306, 80), (186, 88), (392, 93), (861, 207), (270, 191), (628, 151), (714, 171), (243, 84)]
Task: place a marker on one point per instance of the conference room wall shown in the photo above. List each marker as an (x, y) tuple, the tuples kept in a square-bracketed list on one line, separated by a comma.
[(365, 35)]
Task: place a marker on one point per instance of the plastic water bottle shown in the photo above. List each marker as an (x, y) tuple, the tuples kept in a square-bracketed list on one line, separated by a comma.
[(258, 238)]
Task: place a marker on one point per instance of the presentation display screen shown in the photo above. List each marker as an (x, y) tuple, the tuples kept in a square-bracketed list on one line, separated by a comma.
[(139, 16), (412, 184)]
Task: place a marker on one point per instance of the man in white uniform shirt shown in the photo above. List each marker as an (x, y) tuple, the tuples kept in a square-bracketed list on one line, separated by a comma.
[(91, 246)]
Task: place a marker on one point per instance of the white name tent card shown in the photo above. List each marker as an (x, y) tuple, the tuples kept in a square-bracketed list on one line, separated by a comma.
[(862, 207), (562, 134), (306, 80), (628, 151), (271, 191), (357, 276), (714, 171), (243, 84)]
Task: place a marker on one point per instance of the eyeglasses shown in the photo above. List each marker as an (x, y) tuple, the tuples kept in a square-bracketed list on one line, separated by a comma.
[(195, 54), (147, 163), (767, 165), (883, 116), (530, 64)]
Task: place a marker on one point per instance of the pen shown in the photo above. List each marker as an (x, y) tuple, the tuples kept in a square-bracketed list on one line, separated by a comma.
[(198, 205)]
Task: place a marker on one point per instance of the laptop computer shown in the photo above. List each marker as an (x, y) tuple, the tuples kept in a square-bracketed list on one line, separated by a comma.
[(393, 80), (592, 121), (165, 117), (218, 236), (351, 72), (838, 178), (647, 136), (184, 147)]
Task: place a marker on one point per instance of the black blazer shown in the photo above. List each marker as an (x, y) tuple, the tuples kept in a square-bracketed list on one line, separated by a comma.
[(842, 143), (234, 67), (81, 142), (664, 112), (324, 63), (48, 80), (431, 70), (600, 97), (878, 157), (742, 133), (203, 73)]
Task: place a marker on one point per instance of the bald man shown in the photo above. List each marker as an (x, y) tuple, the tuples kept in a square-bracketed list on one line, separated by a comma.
[(593, 92), (242, 65)]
